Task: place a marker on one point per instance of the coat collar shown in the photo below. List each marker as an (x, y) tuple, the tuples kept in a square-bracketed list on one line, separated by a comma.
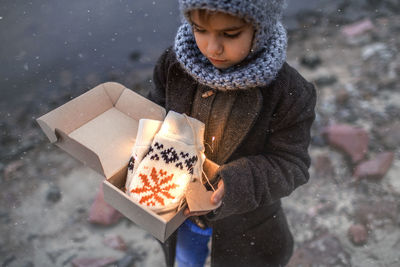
[(244, 113)]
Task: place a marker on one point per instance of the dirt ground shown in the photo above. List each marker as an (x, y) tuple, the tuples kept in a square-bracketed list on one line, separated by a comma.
[(46, 195)]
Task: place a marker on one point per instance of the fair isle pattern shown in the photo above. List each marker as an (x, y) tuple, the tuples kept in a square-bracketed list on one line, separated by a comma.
[(257, 70), (170, 155), (162, 177), (155, 188)]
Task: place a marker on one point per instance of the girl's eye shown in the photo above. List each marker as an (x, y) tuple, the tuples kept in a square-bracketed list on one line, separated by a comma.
[(195, 29), (232, 36)]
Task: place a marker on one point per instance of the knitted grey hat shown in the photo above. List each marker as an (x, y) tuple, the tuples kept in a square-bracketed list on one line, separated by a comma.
[(262, 14), (267, 55)]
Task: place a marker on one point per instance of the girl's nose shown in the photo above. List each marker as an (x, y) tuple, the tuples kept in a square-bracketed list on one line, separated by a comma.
[(214, 47)]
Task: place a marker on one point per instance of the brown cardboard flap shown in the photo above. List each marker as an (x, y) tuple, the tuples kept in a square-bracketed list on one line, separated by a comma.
[(160, 226), (75, 113), (210, 168), (113, 90), (139, 107), (110, 136), (78, 151), (104, 122), (197, 197)]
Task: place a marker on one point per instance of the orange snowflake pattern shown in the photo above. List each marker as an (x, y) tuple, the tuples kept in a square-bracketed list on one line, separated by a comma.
[(151, 194)]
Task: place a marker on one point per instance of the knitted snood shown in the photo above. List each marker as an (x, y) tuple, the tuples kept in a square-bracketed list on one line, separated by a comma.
[(258, 69)]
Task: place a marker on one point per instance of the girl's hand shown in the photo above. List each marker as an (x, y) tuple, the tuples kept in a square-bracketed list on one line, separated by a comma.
[(216, 197)]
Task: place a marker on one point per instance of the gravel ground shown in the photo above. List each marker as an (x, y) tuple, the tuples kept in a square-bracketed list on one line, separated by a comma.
[(46, 195)]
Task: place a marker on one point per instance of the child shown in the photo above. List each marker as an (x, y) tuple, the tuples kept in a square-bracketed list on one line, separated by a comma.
[(227, 69)]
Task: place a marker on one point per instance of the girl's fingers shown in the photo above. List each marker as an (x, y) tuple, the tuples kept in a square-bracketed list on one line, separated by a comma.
[(219, 193)]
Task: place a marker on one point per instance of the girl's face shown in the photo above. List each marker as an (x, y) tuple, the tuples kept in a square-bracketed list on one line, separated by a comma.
[(223, 39)]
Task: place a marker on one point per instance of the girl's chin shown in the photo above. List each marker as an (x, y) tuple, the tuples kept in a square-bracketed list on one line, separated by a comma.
[(220, 65)]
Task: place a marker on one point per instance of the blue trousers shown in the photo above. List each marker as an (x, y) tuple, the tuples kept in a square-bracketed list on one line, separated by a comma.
[(191, 247)]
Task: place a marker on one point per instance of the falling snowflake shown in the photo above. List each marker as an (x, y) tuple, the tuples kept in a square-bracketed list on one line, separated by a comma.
[(156, 188)]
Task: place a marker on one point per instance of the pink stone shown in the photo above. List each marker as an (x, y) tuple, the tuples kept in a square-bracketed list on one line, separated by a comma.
[(115, 242), (357, 28), (375, 168), (93, 262), (351, 140), (101, 212), (358, 234)]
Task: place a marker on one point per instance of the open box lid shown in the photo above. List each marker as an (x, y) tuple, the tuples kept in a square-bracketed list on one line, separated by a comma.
[(99, 127)]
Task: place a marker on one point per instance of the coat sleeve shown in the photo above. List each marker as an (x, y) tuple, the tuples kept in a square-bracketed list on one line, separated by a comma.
[(157, 91), (263, 179)]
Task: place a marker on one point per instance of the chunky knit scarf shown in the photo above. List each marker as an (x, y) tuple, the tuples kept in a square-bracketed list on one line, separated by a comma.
[(258, 69)]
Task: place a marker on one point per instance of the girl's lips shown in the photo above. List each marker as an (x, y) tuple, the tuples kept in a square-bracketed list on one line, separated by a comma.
[(216, 60)]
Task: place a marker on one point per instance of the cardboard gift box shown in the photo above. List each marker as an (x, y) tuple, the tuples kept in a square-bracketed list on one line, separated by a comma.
[(99, 128)]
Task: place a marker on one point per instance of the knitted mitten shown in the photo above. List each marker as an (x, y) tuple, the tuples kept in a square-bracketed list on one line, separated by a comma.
[(146, 131), (164, 173)]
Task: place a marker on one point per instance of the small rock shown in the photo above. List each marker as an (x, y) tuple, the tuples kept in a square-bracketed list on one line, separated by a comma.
[(5, 217), (54, 255), (311, 61), (28, 264), (379, 49), (66, 78), (393, 111), (69, 259), (318, 141), (321, 208), (135, 55), (325, 250), (101, 212), (126, 261), (358, 234), (8, 260), (11, 168), (342, 97), (325, 80), (389, 135), (1, 166), (358, 28), (78, 237), (93, 262), (366, 212), (346, 115), (115, 242), (375, 168), (351, 140), (53, 194), (323, 166), (380, 119)]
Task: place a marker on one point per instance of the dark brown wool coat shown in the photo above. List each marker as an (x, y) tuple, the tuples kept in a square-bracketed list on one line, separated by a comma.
[(263, 157)]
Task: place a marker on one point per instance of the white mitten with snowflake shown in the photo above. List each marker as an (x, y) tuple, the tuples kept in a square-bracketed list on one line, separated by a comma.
[(161, 178), (146, 131)]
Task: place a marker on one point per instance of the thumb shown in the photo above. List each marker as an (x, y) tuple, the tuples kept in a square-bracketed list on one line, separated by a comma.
[(218, 194)]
